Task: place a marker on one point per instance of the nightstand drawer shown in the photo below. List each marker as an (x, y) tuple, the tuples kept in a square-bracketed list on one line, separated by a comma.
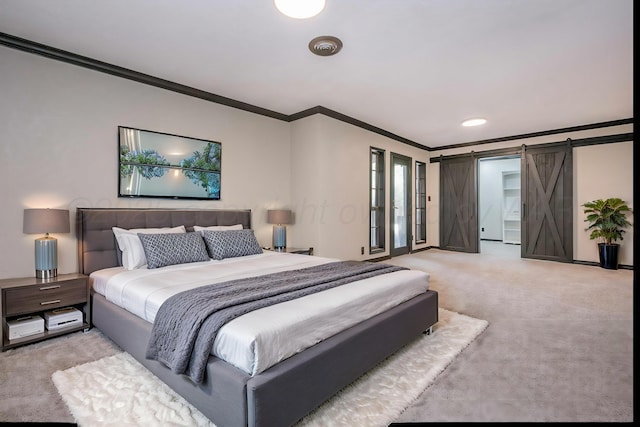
[(44, 296)]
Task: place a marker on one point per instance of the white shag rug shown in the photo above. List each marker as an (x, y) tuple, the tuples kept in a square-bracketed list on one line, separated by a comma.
[(119, 391)]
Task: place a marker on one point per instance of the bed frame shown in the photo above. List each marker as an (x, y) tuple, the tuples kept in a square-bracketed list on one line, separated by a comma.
[(279, 396)]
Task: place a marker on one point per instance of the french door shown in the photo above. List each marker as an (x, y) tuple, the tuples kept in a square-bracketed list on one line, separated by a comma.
[(400, 218)]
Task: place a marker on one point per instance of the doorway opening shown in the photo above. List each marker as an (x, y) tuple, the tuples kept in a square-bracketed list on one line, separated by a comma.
[(499, 205)]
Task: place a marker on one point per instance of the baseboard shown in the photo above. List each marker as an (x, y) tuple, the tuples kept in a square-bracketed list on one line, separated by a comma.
[(426, 248), (597, 264)]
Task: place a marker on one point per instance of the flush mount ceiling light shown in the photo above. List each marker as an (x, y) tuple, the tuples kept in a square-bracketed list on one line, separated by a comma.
[(474, 122), (325, 45), (299, 9)]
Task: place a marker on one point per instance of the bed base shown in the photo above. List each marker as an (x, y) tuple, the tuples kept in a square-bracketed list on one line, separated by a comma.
[(285, 393)]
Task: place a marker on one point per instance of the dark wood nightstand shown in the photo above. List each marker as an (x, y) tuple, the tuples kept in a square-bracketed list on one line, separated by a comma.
[(302, 251), (33, 296)]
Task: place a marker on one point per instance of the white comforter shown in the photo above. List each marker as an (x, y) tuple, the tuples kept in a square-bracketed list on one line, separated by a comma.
[(262, 338)]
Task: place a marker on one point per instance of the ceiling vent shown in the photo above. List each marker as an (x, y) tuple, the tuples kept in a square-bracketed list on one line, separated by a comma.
[(325, 45)]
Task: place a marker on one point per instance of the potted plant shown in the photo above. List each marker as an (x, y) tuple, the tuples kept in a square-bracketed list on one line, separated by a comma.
[(607, 221)]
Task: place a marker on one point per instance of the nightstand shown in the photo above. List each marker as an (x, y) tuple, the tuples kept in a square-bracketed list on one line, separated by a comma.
[(32, 296), (302, 251)]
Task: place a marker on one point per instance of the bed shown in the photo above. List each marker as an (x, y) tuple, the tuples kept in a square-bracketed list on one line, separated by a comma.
[(277, 394)]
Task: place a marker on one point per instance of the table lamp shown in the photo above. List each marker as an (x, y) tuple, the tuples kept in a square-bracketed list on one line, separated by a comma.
[(46, 221), (279, 217)]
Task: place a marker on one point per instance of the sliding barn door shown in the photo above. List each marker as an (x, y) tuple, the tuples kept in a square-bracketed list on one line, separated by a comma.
[(547, 195), (458, 205)]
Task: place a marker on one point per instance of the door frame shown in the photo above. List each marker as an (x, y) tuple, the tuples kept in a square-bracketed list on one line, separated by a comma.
[(513, 156)]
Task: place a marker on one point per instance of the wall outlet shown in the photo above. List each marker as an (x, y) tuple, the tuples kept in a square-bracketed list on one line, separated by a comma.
[(482, 228), (362, 250)]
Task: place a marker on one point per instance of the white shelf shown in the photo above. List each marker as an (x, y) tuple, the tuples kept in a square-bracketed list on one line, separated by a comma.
[(511, 207)]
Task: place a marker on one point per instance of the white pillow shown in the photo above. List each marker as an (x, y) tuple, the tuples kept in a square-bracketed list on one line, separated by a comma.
[(131, 246), (199, 229)]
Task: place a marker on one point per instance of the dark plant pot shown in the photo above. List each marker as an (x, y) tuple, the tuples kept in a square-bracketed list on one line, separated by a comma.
[(608, 255)]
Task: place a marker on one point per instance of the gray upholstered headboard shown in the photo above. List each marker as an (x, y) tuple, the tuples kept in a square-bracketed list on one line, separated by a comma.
[(97, 247)]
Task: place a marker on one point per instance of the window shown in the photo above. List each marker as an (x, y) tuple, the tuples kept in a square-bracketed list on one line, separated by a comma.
[(376, 202), (421, 202)]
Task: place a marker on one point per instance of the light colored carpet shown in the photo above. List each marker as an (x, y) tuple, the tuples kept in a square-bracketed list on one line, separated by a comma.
[(117, 390), (559, 349)]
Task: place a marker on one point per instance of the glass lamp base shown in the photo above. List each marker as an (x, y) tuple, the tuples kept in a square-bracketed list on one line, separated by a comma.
[(46, 257), (279, 236)]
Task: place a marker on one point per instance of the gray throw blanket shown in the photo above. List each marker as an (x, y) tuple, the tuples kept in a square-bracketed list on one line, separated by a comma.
[(186, 324)]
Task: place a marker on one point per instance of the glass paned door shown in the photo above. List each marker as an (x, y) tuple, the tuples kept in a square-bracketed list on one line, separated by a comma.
[(376, 201), (420, 234), (400, 204)]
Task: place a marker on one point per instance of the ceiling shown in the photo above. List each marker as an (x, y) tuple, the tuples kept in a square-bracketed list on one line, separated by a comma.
[(414, 68)]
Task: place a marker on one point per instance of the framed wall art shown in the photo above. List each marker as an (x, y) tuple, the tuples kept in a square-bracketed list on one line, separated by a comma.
[(155, 164)]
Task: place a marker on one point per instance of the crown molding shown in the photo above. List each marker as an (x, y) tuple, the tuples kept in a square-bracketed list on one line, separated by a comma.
[(104, 67)]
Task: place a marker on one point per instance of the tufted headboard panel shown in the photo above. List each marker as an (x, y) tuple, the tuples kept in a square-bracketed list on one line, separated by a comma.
[(97, 247)]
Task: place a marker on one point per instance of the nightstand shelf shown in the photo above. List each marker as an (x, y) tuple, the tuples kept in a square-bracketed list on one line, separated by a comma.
[(33, 296), (302, 251)]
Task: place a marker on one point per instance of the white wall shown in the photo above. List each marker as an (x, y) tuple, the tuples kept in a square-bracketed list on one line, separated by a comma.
[(61, 152), (433, 204), (603, 171), (330, 165), (59, 149)]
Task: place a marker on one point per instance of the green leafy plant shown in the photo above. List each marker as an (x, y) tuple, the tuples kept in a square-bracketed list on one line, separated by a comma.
[(607, 219)]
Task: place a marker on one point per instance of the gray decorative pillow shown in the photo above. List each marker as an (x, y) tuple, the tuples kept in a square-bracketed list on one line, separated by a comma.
[(231, 243), (170, 249)]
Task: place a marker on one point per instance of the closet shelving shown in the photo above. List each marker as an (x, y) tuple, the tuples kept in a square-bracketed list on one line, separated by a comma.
[(511, 207)]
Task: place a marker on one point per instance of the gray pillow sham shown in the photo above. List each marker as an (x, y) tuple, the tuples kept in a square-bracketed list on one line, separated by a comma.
[(170, 249), (231, 243)]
